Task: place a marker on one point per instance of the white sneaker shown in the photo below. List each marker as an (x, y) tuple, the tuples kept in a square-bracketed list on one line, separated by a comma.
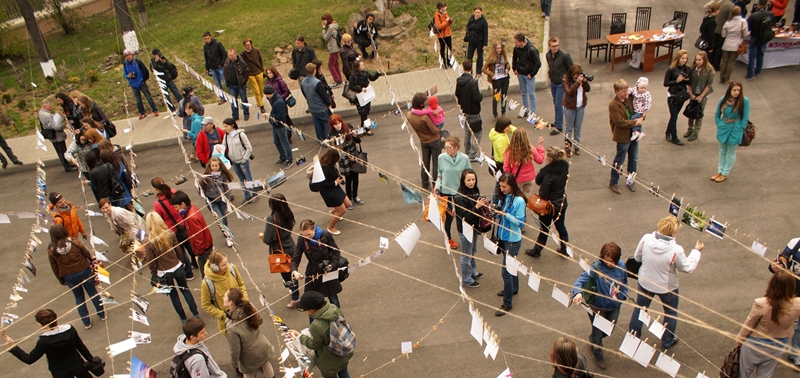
[(641, 135), (635, 136)]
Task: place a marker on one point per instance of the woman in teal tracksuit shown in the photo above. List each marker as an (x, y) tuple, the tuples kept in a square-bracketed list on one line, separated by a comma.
[(511, 218), (731, 116)]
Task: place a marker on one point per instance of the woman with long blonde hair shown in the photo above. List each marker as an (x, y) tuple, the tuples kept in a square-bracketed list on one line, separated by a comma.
[(519, 158), (161, 254), (496, 69), (702, 85), (676, 80)]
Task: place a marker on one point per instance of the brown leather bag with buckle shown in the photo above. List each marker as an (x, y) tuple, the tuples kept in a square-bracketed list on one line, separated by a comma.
[(279, 261), (540, 205)]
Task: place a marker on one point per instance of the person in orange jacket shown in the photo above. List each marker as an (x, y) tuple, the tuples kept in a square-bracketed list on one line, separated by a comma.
[(66, 214), (443, 21)]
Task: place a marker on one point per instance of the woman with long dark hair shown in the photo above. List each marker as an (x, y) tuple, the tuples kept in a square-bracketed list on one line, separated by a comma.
[(162, 255), (239, 152), (278, 237), (468, 204), (90, 109), (346, 139), (359, 81), (496, 69), (701, 85), (126, 200), (276, 81), (442, 21), (731, 115), (250, 349), (676, 79), (511, 218), (330, 189), (77, 151), (769, 326), (71, 113), (552, 181)]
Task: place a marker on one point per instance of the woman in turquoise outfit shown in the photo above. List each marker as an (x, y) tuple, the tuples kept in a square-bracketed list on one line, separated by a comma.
[(731, 115)]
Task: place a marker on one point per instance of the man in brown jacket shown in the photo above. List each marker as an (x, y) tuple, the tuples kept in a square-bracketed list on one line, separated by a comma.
[(255, 67), (620, 110), (429, 139)]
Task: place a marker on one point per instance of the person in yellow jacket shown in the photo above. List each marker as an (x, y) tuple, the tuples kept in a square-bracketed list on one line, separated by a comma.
[(219, 277)]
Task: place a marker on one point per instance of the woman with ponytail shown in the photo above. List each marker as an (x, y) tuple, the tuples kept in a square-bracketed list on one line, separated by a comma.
[(250, 349)]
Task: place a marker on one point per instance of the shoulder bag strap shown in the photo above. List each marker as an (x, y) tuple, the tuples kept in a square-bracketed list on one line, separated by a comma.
[(518, 169), (278, 233), (168, 213)]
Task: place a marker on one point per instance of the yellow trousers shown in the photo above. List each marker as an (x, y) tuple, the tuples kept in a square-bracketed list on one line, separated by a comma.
[(257, 84)]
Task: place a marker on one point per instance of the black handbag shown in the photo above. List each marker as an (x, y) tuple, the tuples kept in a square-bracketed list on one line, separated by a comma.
[(294, 74), (343, 273), (180, 231), (693, 110), (633, 267), (156, 281), (701, 44), (48, 134), (96, 365), (349, 95), (290, 101), (680, 97), (111, 129), (360, 162)]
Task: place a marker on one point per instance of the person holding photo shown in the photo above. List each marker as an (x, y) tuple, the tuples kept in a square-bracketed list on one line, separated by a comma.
[(359, 82), (511, 219)]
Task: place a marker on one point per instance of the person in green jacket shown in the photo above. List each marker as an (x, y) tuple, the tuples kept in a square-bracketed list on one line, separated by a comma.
[(451, 164), (322, 313)]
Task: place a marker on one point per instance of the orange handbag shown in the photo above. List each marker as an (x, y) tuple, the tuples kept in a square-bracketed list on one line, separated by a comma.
[(279, 262)]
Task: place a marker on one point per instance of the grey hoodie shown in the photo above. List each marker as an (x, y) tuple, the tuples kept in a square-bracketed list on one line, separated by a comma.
[(195, 364), (661, 258)]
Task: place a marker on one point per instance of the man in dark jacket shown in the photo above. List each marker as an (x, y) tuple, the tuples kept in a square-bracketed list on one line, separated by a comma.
[(558, 62), (760, 23), (365, 34), (526, 63), (170, 73), (278, 117), (318, 99), (477, 37), (620, 110), (469, 99), (214, 53), (137, 74), (302, 55), (236, 74), (348, 55)]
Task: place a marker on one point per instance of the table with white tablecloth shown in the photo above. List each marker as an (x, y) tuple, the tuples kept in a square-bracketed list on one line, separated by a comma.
[(783, 50)]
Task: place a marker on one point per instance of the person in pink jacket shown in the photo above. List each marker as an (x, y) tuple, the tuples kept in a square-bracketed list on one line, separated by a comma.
[(519, 158)]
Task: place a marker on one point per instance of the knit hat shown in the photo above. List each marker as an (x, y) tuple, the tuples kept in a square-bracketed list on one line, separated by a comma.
[(207, 121), (55, 197), (268, 89), (643, 81), (433, 102), (127, 52), (311, 300)]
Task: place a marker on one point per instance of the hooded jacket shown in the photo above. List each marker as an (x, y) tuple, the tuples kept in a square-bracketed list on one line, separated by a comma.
[(500, 142), (525, 60), (222, 282), (62, 346), (140, 71), (449, 170), (214, 54), (237, 146), (203, 145), (75, 260), (69, 219), (280, 86), (197, 365), (250, 349), (328, 363), (510, 224), (604, 277), (279, 114), (329, 36), (552, 181), (468, 94), (477, 31), (199, 235), (661, 258), (168, 69)]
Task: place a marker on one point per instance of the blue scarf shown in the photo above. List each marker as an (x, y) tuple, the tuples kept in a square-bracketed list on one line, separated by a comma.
[(317, 235)]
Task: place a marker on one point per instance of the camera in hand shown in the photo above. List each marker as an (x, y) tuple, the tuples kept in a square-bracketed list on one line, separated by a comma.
[(133, 75), (586, 76), (326, 266)]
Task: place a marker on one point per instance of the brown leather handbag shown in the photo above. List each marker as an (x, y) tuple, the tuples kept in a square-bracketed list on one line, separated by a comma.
[(279, 261), (540, 205)]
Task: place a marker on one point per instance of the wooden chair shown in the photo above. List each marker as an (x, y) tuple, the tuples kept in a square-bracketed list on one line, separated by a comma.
[(619, 24), (594, 39), (642, 18), (677, 45)]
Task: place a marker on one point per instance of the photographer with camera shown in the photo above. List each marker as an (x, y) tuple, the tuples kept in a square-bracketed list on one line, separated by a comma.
[(575, 83), (323, 257)]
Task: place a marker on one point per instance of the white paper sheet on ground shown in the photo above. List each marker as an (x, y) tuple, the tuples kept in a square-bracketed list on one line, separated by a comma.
[(511, 265), (122, 346), (603, 324), (4, 218), (643, 354), (406, 347), (365, 98), (701, 375), (140, 318), (433, 212), (491, 247), (25, 215), (476, 330), (667, 364), (756, 247), (95, 241), (506, 374), (629, 345), (560, 296), (331, 276), (467, 229), (534, 281), (408, 238), (657, 329), (318, 175), (284, 354), (644, 317), (383, 244)]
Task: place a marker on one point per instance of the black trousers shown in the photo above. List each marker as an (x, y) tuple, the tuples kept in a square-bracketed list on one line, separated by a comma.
[(351, 185), (75, 371), (448, 42), (61, 148), (716, 56), (7, 150)]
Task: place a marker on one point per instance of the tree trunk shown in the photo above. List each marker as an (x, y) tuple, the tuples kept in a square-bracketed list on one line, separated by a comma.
[(61, 16), (35, 35), (380, 5), (142, 13), (125, 25)]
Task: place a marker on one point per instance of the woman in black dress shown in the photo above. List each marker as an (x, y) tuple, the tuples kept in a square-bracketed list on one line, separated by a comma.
[(331, 189), (345, 139)]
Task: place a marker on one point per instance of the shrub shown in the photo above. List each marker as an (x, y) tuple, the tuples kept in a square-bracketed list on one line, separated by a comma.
[(22, 104), (6, 98), (94, 76)]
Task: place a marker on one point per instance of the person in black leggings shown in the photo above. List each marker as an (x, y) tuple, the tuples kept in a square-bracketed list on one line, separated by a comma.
[(278, 236)]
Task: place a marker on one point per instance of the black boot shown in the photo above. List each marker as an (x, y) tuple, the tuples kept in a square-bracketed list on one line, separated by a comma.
[(535, 252)]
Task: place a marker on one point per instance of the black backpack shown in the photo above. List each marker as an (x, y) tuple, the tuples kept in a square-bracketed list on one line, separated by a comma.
[(177, 368), (337, 35), (172, 71), (765, 33), (433, 27)]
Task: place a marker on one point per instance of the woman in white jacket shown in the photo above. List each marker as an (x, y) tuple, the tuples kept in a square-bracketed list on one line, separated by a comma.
[(734, 31), (239, 151), (661, 259)]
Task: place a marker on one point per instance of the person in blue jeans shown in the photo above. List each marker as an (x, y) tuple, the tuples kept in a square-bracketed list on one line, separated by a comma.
[(789, 259), (137, 75), (559, 63), (661, 259), (511, 218), (760, 23), (525, 62), (319, 101), (72, 265), (240, 152), (620, 111), (610, 278), (236, 76), (214, 54), (468, 203)]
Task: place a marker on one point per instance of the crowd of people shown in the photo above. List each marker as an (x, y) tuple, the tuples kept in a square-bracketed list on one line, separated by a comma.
[(178, 239)]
